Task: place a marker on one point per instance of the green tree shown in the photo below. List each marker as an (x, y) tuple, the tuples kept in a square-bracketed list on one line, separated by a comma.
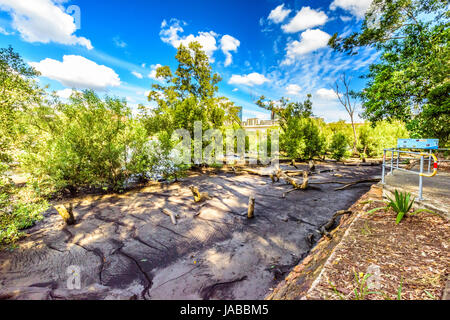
[(339, 146), (373, 140), (301, 136), (188, 95), (18, 91), (411, 80), (284, 110), (87, 142)]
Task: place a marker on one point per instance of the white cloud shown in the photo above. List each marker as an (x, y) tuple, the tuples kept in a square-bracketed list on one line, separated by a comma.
[(169, 34), (304, 19), (356, 7), (345, 18), (278, 14), (43, 21), (235, 90), (228, 44), (326, 94), (310, 40), (293, 89), (6, 33), (152, 74), (119, 42), (78, 72), (65, 93), (137, 74), (251, 79)]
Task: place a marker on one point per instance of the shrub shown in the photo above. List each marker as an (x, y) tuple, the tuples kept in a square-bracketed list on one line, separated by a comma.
[(401, 204), (88, 142), (302, 139), (339, 146), (373, 140)]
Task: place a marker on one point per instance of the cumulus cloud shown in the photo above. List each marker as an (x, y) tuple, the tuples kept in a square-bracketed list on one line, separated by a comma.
[(304, 19), (293, 89), (78, 72), (229, 44), (170, 34), (137, 74), (250, 80), (43, 21), (278, 14), (310, 40), (152, 74), (65, 93), (356, 7), (326, 94)]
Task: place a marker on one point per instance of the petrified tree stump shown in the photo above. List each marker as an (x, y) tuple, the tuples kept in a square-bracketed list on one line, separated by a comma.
[(173, 216), (66, 213), (251, 207), (199, 196), (311, 166)]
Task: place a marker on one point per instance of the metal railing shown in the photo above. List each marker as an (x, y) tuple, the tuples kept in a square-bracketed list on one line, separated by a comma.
[(421, 173)]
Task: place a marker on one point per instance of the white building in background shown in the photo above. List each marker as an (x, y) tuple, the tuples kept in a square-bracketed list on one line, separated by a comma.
[(255, 124)]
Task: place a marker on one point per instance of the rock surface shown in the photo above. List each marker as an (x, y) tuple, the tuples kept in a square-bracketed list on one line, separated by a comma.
[(124, 247)]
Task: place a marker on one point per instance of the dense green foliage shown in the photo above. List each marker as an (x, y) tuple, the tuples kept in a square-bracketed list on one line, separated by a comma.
[(188, 95), (339, 146), (301, 137), (411, 80), (86, 142), (18, 92), (305, 137), (373, 140)]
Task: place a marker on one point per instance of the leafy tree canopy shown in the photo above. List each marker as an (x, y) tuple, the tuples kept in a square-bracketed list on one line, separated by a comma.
[(284, 110), (188, 95), (411, 80), (17, 92)]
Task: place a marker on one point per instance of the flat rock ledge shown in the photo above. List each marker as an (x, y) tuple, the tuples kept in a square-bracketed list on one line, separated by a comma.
[(305, 275)]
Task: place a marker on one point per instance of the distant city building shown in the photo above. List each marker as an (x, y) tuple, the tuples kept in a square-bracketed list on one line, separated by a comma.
[(255, 124)]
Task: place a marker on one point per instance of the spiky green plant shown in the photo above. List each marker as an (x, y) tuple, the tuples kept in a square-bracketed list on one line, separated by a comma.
[(401, 204)]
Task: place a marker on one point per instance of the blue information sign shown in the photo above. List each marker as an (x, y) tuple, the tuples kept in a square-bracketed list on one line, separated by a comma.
[(418, 143)]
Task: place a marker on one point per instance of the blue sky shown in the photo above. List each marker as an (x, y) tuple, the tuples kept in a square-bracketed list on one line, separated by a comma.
[(259, 47)]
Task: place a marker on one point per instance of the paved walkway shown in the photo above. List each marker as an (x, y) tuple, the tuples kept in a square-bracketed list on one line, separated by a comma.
[(436, 190)]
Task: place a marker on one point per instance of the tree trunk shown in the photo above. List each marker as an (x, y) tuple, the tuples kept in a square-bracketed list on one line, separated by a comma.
[(355, 139)]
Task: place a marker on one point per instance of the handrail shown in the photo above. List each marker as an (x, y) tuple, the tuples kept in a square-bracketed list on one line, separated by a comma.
[(434, 165), (421, 173)]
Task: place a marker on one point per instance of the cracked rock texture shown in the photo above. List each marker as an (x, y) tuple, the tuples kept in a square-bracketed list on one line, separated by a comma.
[(126, 248)]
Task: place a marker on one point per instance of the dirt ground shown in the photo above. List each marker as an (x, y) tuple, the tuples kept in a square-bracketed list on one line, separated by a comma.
[(410, 260), (124, 247)]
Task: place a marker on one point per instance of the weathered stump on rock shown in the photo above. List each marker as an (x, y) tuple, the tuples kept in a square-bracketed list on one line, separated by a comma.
[(251, 207), (173, 216), (66, 213), (199, 196)]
